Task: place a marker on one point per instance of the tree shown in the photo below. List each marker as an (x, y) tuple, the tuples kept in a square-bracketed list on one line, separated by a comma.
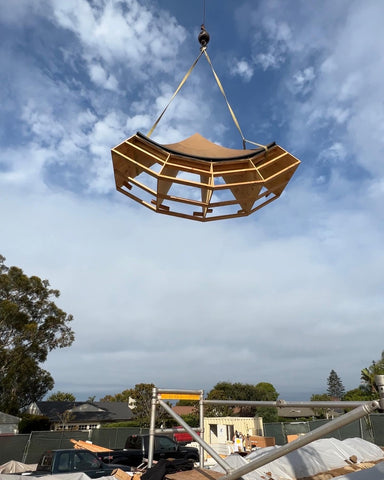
[(368, 375), (221, 391), (123, 396), (31, 325), (335, 388), (141, 395), (321, 397), (187, 403), (61, 397), (33, 423), (263, 391), (359, 394), (266, 392)]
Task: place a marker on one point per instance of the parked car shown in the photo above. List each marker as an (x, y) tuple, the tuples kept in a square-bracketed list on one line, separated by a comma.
[(136, 451), (54, 462)]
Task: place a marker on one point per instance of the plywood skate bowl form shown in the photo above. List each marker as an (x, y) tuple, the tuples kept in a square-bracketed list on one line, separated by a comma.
[(200, 180)]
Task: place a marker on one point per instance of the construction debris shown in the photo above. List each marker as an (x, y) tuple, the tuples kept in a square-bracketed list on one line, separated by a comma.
[(84, 445), (321, 460)]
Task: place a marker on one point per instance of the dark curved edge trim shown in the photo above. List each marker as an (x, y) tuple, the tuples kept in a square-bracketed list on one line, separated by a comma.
[(256, 151)]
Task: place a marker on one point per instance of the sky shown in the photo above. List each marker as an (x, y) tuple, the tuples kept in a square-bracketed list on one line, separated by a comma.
[(282, 296)]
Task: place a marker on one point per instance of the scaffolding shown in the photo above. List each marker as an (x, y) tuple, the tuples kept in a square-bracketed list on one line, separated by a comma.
[(159, 397)]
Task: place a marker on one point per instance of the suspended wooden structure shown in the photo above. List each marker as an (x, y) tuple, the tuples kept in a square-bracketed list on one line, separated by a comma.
[(197, 179)]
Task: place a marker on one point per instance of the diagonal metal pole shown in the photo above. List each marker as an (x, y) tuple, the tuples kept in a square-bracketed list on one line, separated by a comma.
[(304, 440), (196, 437)]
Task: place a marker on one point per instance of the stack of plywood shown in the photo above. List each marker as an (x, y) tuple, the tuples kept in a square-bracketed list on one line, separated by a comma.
[(257, 441), (89, 446)]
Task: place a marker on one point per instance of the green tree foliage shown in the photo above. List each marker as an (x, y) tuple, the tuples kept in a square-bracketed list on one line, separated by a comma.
[(192, 419), (221, 391), (118, 397), (61, 397), (368, 375), (31, 325), (320, 397), (268, 414), (335, 388), (242, 391), (187, 403), (359, 394), (142, 396), (33, 423)]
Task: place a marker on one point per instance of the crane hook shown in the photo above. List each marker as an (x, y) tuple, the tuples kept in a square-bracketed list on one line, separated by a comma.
[(203, 36)]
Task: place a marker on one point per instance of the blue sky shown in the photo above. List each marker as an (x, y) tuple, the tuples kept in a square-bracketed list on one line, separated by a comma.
[(282, 296)]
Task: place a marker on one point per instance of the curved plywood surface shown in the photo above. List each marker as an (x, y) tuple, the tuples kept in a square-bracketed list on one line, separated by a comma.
[(197, 146)]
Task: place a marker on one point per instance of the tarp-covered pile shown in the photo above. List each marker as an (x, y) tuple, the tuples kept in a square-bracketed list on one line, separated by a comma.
[(320, 456)]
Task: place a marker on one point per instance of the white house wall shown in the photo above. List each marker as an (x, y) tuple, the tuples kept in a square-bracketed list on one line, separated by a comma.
[(224, 426)]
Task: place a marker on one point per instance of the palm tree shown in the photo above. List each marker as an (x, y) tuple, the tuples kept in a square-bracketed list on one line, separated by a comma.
[(368, 374)]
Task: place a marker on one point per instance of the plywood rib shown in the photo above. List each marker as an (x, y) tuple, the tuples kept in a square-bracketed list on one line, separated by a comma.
[(220, 182), (245, 192), (164, 183)]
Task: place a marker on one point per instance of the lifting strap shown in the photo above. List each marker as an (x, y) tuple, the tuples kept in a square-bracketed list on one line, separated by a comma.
[(204, 50), (228, 105), (176, 92)]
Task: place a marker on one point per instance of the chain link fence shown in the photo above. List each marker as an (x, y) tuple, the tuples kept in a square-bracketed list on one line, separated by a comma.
[(12, 447), (370, 428), (114, 437), (28, 448)]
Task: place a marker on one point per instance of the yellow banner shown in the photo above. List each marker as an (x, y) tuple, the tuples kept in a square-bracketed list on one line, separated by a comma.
[(179, 396)]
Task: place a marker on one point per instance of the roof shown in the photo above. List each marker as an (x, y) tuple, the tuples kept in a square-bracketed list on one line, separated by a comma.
[(296, 412), (118, 410), (183, 409), (86, 411), (5, 418)]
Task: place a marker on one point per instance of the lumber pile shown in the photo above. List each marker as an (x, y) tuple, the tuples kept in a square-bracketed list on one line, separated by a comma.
[(89, 446)]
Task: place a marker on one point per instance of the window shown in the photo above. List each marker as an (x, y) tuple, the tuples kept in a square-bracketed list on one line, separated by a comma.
[(164, 443), (88, 427), (64, 462), (85, 461)]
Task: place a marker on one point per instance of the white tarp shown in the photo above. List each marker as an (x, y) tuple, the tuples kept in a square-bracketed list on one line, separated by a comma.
[(317, 457), (367, 452), (61, 476), (17, 467)]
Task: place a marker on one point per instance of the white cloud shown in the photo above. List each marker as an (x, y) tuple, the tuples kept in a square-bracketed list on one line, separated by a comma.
[(303, 80), (278, 40), (293, 288), (335, 153), (243, 69), (101, 78), (285, 289), (121, 32), (335, 62)]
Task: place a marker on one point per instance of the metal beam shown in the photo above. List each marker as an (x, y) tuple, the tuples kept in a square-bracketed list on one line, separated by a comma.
[(196, 437), (304, 440)]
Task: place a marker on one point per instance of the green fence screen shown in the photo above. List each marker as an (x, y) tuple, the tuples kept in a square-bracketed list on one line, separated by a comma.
[(114, 437), (28, 448)]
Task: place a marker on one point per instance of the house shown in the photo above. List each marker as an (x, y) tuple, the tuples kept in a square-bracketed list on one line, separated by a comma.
[(300, 413), (222, 429), (184, 410), (8, 424), (81, 415), (296, 412)]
